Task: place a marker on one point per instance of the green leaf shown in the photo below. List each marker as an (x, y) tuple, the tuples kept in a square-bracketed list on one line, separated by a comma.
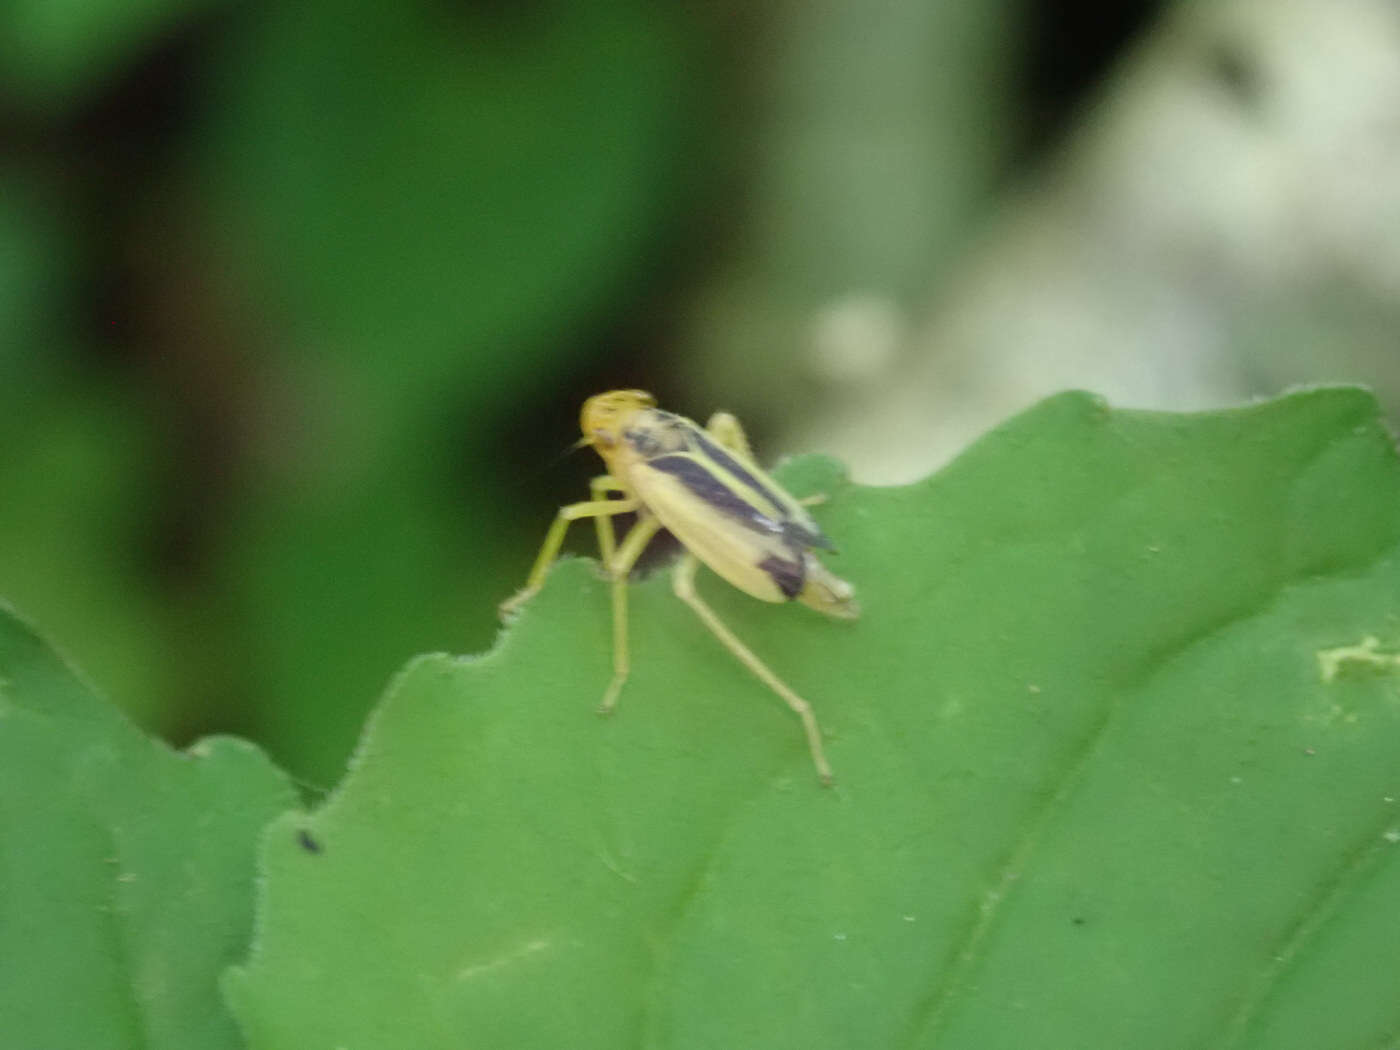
[(126, 869), (1115, 767), (56, 53), (438, 201), (334, 597), (76, 477), (36, 282), (443, 196)]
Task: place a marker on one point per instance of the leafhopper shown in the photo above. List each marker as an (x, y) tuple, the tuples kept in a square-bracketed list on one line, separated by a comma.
[(705, 488)]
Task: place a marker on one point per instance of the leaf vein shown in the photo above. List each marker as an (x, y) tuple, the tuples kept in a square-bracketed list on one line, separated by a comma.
[(1326, 901)]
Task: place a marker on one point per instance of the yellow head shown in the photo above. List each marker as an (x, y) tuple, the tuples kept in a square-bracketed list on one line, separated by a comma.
[(606, 416)]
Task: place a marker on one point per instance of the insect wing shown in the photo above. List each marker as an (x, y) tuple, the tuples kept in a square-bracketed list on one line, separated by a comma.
[(745, 547), (720, 489), (797, 524), (762, 491)]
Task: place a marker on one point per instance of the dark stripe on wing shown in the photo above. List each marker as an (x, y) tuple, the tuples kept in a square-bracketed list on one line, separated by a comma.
[(788, 575), (667, 435), (692, 474), (805, 536), (801, 532), (726, 460)]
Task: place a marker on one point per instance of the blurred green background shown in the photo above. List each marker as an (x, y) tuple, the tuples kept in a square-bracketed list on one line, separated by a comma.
[(298, 302)]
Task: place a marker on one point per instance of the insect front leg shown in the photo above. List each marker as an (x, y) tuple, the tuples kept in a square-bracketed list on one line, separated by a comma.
[(555, 538), (683, 582), (619, 565)]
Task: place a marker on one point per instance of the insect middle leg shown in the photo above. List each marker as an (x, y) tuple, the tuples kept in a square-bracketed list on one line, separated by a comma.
[(683, 582), (619, 564)]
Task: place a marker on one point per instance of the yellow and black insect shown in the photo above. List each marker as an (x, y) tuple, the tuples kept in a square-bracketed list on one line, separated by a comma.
[(704, 487)]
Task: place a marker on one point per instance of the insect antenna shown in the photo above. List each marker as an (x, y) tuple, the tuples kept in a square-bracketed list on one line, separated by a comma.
[(582, 442)]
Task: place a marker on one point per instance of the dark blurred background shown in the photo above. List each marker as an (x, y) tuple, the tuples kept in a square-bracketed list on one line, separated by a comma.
[(298, 301)]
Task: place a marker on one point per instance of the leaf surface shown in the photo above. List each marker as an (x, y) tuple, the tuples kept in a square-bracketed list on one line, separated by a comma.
[(126, 869), (1115, 767)]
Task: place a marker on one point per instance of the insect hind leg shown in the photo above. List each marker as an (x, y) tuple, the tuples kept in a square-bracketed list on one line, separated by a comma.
[(683, 582), (729, 432)]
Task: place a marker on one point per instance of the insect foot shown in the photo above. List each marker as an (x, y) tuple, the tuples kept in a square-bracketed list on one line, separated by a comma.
[(508, 608)]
